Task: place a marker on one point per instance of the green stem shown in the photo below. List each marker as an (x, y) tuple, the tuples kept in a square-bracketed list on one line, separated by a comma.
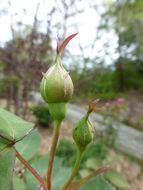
[(52, 153), (76, 166)]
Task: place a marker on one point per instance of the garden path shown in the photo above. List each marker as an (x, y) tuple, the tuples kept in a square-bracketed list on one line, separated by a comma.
[(129, 139)]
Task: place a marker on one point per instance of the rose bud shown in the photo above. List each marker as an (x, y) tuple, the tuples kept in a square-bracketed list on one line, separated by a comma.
[(83, 132), (56, 86)]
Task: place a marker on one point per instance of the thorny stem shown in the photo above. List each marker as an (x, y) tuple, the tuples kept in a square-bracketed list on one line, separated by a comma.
[(29, 167), (76, 166), (52, 153)]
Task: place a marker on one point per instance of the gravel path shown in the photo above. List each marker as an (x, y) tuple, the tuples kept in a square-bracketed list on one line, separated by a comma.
[(129, 140)]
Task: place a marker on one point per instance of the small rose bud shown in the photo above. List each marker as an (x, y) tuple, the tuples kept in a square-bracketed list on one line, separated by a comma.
[(83, 132), (56, 86)]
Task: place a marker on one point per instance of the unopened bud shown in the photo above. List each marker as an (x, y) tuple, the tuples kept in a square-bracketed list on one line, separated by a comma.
[(83, 133), (56, 86)]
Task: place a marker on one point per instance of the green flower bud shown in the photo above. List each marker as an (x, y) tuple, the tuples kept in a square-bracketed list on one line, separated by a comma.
[(83, 133), (56, 86)]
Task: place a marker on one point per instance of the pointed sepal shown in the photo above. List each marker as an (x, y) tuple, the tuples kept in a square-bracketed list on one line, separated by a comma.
[(60, 48)]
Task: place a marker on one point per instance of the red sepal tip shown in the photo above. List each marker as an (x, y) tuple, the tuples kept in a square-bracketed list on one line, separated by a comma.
[(60, 48), (92, 106)]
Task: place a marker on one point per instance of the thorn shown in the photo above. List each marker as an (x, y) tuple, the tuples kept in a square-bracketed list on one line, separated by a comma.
[(66, 75), (44, 75)]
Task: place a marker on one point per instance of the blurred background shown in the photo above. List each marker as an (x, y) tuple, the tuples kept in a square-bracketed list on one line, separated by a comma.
[(105, 61)]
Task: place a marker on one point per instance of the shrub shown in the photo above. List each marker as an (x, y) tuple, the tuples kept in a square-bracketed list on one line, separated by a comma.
[(42, 115)]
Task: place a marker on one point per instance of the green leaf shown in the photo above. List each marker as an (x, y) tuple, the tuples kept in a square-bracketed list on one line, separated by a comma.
[(60, 174), (7, 160), (29, 146), (93, 163), (98, 183), (12, 127), (117, 179), (19, 183), (3, 144), (110, 159), (84, 172)]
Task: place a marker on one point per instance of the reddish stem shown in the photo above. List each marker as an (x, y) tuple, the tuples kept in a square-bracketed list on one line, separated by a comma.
[(29, 167), (81, 181)]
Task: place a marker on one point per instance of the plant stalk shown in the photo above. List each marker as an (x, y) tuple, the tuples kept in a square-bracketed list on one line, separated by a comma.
[(74, 171), (81, 181), (29, 167), (52, 153)]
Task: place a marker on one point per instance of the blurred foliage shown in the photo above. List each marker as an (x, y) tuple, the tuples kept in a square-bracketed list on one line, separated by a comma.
[(5, 84), (67, 150), (98, 183), (114, 115), (105, 83), (22, 60), (95, 156), (126, 71), (117, 179), (42, 115)]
